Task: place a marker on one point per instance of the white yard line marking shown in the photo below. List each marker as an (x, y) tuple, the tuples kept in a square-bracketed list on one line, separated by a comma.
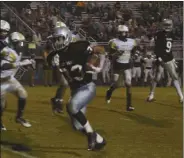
[(22, 154)]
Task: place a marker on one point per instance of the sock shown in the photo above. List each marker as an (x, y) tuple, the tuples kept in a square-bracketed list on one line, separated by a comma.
[(21, 106), (60, 92), (80, 117), (178, 89), (152, 88), (112, 88), (99, 139), (88, 127), (128, 97)]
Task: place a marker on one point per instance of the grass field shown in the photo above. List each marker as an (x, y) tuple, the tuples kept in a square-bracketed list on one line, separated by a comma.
[(153, 130)]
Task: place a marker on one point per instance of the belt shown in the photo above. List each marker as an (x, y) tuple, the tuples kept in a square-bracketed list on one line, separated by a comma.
[(5, 79), (148, 67)]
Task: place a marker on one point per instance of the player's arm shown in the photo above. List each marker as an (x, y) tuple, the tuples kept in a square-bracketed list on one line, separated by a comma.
[(7, 66)]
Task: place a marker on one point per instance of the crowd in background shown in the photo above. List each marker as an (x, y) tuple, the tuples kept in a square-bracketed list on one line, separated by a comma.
[(97, 19)]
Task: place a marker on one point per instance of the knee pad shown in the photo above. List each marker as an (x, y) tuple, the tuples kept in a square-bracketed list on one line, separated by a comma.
[(128, 82), (22, 93)]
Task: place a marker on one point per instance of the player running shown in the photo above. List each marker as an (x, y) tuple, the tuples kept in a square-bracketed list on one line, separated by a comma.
[(74, 65), (163, 50), (122, 48), (10, 62)]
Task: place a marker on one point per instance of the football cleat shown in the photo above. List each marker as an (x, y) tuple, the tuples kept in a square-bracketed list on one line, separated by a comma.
[(3, 128), (56, 106), (92, 142), (108, 96), (181, 101), (150, 99), (23, 122), (130, 108)]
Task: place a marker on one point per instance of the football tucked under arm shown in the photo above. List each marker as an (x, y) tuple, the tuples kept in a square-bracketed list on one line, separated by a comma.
[(96, 60)]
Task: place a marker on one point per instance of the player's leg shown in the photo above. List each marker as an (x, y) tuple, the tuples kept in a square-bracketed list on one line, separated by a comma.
[(134, 75), (80, 99), (57, 101), (112, 88), (104, 76), (108, 76), (139, 75), (4, 87), (171, 68), (154, 82), (17, 89), (117, 71), (128, 78), (146, 71)]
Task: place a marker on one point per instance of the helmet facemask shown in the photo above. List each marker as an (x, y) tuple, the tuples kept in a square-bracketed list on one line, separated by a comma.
[(167, 25), (3, 34)]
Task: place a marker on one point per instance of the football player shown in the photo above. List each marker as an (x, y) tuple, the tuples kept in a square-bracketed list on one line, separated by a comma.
[(57, 101), (148, 67), (10, 63), (163, 50), (77, 68), (121, 48), (136, 71)]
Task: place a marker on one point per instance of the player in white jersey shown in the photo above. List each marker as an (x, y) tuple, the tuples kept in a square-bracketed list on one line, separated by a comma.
[(10, 63), (136, 71), (148, 67), (121, 48), (106, 69)]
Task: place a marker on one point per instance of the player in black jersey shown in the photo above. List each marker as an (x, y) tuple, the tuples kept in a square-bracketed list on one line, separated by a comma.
[(74, 65), (163, 50)]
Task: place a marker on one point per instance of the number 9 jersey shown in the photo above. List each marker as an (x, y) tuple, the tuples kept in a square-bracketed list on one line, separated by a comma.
[(163, 45)]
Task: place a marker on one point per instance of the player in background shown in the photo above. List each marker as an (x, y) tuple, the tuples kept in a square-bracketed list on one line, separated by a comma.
[(136, 71), (163, 50), (77, 63), (148, 67), (106, 70), (10, 63), (121, 48), (4, 32)]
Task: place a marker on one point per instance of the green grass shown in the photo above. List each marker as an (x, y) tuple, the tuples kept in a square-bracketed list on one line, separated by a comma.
[(153, 130)]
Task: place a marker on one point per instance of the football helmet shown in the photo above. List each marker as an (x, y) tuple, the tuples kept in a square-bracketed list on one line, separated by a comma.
[(61, 37), (60, 24), (123, 32), (16, 40), (167, 25), (4, 29)]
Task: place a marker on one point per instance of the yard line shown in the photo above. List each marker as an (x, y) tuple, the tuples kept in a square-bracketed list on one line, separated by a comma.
[(23, 155)]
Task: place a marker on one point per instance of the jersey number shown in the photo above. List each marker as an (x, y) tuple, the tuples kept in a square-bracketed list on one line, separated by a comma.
[(168, 46), (77, 68)]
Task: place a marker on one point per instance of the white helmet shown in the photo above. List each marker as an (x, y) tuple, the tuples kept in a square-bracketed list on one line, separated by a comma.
[(60, 24), (5, 26), (17, 37), (122, 28)]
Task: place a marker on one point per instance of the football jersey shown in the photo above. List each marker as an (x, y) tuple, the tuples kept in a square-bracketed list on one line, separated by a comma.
[(124, 47), (10, 57), (137, 61), (148, 62), (163, 45), (72, 63)]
